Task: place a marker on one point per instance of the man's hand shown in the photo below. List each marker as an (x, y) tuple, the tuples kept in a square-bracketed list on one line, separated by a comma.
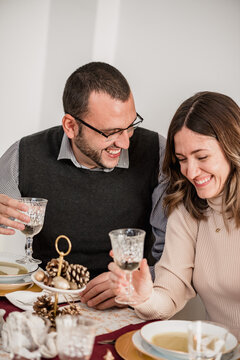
[(9, 209), (98, 293)]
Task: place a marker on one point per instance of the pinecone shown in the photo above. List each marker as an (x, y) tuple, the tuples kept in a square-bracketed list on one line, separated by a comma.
[(52, 267), (72, 309), (43, 306), (77, 274)]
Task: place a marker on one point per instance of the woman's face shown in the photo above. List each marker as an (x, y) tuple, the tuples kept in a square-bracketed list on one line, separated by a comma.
[(202, 162)]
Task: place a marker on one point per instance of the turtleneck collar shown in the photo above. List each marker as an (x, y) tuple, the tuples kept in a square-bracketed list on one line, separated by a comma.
[(216, 203)]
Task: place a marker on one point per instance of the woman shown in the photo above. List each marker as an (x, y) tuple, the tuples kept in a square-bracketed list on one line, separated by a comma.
[(202, 248)]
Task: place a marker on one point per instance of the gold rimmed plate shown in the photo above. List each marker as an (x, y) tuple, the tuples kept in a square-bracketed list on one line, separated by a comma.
[(125, 348), (144, 349)]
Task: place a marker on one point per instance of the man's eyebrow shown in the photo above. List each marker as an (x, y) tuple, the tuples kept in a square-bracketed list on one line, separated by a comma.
[(118, 128)]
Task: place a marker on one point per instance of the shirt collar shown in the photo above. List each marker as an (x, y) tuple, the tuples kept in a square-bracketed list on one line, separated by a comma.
[(66, 152)]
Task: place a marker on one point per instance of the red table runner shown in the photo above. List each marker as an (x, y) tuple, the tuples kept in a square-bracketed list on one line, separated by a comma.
[(99, 350)]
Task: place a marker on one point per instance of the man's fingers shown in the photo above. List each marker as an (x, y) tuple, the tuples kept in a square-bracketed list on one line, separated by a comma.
[(109, 304), (95, 291), (8, 212), (100, 279), (6, 231), (10, 223), (101, 297)]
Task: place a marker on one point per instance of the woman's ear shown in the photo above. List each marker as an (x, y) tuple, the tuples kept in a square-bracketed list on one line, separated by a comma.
[(70, 126)]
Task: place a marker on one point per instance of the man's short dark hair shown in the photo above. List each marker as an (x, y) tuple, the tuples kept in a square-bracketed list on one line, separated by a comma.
[(95, 76)]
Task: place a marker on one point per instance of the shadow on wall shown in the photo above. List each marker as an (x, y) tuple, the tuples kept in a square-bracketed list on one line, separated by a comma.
[(193, 310)]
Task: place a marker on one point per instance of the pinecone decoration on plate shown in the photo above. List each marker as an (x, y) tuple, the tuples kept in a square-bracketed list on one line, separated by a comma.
[(52, 268), (77, 276)]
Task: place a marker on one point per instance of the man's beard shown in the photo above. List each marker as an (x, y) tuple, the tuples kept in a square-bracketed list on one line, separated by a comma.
[(84, 147)]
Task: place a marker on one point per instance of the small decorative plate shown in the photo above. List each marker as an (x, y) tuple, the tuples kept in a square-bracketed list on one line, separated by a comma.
[(56, 290)]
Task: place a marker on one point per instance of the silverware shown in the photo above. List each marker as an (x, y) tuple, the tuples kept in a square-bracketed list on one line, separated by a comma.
[(107, 342)]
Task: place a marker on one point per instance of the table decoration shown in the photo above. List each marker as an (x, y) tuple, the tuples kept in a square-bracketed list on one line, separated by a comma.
[(25, 335)]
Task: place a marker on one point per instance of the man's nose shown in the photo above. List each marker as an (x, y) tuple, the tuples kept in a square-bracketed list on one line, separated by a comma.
[(122, 140)]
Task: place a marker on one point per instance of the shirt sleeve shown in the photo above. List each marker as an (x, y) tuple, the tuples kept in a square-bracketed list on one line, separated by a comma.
[(158, 218), (173, 282), (9, 170)]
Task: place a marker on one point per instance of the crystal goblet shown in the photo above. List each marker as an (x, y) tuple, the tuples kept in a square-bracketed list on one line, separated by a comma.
[(127, 245), (36, 212)]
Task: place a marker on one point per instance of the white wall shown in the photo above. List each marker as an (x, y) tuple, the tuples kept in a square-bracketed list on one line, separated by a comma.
[(167, 49)]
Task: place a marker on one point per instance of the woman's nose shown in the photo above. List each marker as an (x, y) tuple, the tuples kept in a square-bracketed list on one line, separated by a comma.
[(192, 170)]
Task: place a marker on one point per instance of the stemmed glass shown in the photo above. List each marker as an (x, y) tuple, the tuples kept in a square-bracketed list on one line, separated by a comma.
[(36, 212), (127, 245)]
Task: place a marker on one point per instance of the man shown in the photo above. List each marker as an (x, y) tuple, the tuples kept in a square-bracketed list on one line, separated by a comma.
[(97, 172)]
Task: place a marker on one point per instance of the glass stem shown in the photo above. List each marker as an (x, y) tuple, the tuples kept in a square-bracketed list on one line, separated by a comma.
[(130, 284), (28, 246)]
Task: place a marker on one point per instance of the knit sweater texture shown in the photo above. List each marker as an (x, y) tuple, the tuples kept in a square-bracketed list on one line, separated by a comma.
[(86, 205), (197, 259)]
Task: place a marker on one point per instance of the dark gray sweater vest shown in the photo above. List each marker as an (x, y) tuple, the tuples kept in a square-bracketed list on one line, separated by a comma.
[(85, 205)]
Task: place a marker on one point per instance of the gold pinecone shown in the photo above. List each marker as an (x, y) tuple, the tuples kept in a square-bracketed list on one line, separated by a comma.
[(77, 274), (52, 267), (43, 306), (72, 309)]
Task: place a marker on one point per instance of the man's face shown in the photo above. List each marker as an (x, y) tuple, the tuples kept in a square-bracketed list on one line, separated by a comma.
[(92, 149)]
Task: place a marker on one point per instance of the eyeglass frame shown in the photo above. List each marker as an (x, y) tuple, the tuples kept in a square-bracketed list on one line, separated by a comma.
[(115, 132)]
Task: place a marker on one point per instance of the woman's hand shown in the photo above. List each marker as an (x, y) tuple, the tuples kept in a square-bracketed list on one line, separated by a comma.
[(9, 213), (141, 280)]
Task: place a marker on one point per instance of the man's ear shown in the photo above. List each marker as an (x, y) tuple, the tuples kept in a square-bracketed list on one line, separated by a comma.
[(70, 126)]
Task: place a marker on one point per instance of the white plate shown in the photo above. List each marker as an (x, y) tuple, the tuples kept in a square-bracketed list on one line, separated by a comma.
[(6, 257), (56, 290), (21, 285), (146, 349), (158, 327)]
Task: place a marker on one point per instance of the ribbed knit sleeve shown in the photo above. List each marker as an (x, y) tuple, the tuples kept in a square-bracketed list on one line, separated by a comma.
[(173, 281)]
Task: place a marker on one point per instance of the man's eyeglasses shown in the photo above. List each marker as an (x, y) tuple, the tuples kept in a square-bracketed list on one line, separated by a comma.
[(112, 135)]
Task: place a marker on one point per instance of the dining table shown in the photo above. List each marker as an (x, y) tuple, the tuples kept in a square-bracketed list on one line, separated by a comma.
[(114, 324)]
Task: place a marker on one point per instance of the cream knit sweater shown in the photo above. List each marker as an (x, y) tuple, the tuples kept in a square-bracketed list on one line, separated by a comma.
[(196, 258)]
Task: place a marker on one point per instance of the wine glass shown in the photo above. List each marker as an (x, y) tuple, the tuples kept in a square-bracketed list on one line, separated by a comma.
[(36, 212), (127, 245), (206, 340)]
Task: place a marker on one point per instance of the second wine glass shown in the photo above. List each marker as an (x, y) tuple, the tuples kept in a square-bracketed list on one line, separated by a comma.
[(36, 212), (127, 245)]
